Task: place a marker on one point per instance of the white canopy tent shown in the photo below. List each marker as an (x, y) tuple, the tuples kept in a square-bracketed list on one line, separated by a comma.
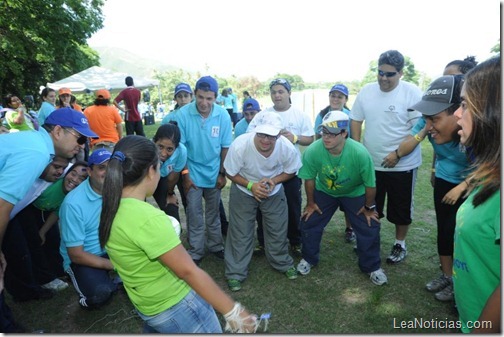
[(95, 78)]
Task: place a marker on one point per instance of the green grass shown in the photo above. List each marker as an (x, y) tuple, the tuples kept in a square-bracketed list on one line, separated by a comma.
[(334, 298)]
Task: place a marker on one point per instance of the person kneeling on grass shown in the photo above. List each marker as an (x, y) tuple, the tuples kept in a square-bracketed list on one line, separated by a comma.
[(169, 291), (258, 163), (339, 172)]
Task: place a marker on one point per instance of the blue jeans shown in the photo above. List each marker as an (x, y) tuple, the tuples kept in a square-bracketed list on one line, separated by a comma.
[(368, 237), (191, 315)]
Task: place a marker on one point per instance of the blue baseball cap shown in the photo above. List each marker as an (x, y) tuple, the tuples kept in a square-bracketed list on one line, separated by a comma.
[(251, 104), (70, 118), (281, 81), (207, 83), (99, 157), (183, 87), (341, 88)]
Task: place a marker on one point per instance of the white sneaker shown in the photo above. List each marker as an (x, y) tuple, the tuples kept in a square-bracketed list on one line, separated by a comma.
[(378, 277), (56, 285), (303, 267)]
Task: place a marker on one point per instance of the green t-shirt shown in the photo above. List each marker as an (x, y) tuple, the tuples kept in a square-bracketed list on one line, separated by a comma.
[(345, 175), (13, 114), (140, 234), (476, 256), (52, 197)]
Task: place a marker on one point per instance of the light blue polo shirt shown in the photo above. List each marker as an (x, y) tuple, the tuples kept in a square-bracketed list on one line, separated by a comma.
[(176, 162), (451, 159), (80, 221), (241, 127), (204, 140), (23, 157)]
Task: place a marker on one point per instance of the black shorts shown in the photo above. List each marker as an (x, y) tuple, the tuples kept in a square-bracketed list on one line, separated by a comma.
[(398, 188), (445, 216)]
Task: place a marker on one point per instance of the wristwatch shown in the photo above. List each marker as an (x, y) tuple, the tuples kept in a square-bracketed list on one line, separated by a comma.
[(370, 208)]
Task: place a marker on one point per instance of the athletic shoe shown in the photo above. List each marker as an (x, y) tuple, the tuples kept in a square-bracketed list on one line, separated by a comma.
[(438, 284), (234, 285), (378, 277), (445, 295), (397, 254), (291, 273), (296, 249), (349, 235), (259, 250), (304, 267), (219, 254), (56, 285)]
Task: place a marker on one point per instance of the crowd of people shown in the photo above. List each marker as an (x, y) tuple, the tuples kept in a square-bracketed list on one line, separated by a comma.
[(80, 211)]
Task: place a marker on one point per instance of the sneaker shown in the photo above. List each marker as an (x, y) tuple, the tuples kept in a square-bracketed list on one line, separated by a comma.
[(378, 277), (219, 254), (55, 285), (349, 235), (445, 295), (397, 254), (234, 285), (304, 267), (259, 250), (291, 273), (296, 249), (438, 284)]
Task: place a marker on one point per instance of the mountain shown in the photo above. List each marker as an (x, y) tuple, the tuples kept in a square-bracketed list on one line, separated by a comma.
[(121, 60)]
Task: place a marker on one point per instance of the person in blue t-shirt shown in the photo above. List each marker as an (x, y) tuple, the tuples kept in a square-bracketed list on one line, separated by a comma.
[(84, 259), (205, 129), (173, 157), (451, 167)]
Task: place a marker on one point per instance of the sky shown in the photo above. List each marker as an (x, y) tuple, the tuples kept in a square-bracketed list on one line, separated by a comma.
[(319, 40)]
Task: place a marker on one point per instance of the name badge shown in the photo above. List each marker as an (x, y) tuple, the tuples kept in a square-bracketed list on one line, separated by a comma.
[(215, 131)]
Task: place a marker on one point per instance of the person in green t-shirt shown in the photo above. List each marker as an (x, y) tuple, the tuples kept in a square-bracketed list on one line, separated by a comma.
[(477, 250), (169, 291), (339, 173)]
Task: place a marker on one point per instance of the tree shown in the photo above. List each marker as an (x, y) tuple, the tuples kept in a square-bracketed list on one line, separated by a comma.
[(44, 41)]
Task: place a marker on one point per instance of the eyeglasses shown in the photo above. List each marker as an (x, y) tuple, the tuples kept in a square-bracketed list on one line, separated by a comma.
[(326, 134), (387, 73), (263, 136), (81, 140)]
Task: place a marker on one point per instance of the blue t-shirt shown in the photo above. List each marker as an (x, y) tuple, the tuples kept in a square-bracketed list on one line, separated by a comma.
[(318, 121), (80, 221), (45, 110), (176, 162), (451, 164), (170, 117), (240, 127), (204, 139), (23, 157)]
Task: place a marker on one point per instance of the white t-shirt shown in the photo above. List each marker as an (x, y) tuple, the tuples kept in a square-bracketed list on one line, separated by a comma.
[(294, 120), (244, 159), (388, 122)]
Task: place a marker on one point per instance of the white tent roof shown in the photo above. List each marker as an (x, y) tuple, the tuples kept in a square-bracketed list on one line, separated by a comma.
[(95, 78)]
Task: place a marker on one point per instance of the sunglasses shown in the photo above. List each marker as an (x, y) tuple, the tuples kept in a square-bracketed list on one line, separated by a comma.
[(281, 81), (387, 73), (81, 140), (327, 134), (263, 136)]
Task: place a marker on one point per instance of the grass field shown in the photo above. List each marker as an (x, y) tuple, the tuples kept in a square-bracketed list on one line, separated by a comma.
[(334, 298)]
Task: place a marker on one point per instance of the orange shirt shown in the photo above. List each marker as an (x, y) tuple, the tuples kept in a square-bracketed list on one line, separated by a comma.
[(103, 120)]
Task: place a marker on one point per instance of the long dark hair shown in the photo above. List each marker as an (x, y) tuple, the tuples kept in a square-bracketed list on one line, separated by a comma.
[(131, 160), (170, 131), (483, 102)]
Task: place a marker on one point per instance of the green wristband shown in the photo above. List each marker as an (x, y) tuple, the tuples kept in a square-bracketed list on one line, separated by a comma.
[(249, 186)]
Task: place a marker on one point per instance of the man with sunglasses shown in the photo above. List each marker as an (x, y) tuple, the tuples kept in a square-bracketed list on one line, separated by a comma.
[(384, 106), (257, 164), (338, 173), (25, 155), (298, 129)]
